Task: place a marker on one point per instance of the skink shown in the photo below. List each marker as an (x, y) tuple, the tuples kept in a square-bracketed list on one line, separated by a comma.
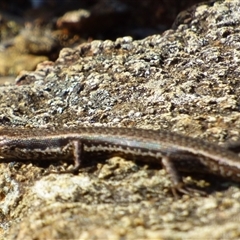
[(174, 152)]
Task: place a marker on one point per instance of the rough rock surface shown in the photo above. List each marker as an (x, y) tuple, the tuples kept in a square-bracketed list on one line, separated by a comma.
[(30, 35), (185, 80)]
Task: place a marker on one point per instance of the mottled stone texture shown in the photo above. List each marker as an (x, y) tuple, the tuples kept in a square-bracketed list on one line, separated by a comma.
[(30, 35), (185, 80)]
